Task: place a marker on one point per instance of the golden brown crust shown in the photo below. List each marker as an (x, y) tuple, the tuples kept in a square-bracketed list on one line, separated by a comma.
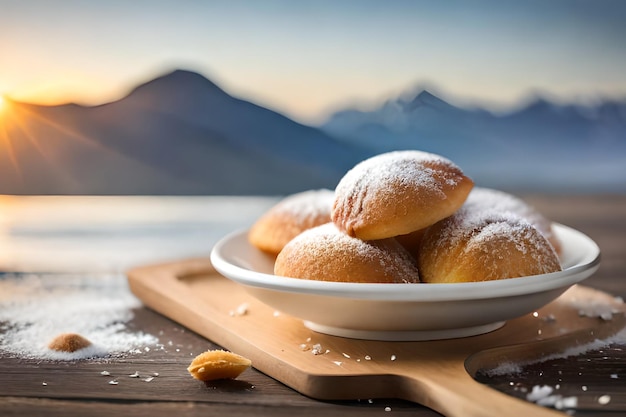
[(290, 217), (324, 253), (481, 245), (397, 193), (218, 364), (489, 199)]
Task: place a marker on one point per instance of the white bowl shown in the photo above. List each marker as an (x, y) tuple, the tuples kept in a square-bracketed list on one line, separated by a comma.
[(404, 311)]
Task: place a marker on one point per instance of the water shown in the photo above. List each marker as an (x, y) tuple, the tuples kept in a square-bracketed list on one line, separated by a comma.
[(112, 234)]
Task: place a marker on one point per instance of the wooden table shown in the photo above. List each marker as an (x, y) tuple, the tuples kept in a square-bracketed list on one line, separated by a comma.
[(79, 389)]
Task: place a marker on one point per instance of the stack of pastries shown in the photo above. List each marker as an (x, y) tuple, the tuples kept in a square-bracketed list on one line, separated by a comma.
[(406, 217)]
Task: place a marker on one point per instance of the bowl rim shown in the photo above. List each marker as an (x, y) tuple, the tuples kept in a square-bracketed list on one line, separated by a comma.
[(420, 292)]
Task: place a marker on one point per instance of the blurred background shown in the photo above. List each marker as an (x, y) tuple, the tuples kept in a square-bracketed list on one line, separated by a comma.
[(268, 98)]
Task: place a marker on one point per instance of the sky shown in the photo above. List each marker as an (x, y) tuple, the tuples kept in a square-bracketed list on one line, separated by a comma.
[(306, 59)]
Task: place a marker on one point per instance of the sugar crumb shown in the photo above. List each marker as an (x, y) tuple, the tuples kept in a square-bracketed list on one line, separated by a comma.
[(543, 395), (241, 310), (538, 392), (317, 349)]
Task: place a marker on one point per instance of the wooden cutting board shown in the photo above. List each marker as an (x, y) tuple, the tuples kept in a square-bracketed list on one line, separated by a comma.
[(436, 374)]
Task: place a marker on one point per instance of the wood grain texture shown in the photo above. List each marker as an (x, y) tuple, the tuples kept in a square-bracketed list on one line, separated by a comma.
[(430, 373), (78, 389)]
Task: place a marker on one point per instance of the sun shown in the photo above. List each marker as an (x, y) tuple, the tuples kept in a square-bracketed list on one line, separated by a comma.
[(5, 105)]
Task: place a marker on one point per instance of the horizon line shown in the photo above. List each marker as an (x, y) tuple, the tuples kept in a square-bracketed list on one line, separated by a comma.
[(532, 95)]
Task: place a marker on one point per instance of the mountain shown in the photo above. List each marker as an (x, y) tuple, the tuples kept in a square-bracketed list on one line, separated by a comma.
[(177, 134), (182, 134), (541, 146)]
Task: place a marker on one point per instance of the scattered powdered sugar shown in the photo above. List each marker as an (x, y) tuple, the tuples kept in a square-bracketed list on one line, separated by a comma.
[(509, 368), (543, 395), (318, 350), (241, 310), (595, 308), (504, 368), (315, 349), (35, 308), (538, 392)]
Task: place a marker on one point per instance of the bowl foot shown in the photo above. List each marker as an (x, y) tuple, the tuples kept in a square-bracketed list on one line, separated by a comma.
[(404, 335)]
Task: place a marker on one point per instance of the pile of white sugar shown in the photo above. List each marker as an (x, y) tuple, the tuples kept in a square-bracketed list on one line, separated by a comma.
[(35, 308)]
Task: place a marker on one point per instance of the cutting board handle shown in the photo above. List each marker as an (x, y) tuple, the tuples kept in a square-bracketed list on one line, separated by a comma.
[(454, 393)]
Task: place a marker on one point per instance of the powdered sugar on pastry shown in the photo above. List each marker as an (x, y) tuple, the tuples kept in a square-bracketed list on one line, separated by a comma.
[(489, 199), (324, 253), (290, 217), (397, 193), (480, 245)]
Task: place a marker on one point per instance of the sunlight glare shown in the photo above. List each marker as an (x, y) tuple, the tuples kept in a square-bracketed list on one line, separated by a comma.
[(4, 103)]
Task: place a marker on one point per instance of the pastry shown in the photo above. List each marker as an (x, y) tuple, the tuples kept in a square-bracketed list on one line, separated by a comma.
[(482, 245), (218, 364), (397, 193), (290, 217), (486, 198), (325, 253)]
